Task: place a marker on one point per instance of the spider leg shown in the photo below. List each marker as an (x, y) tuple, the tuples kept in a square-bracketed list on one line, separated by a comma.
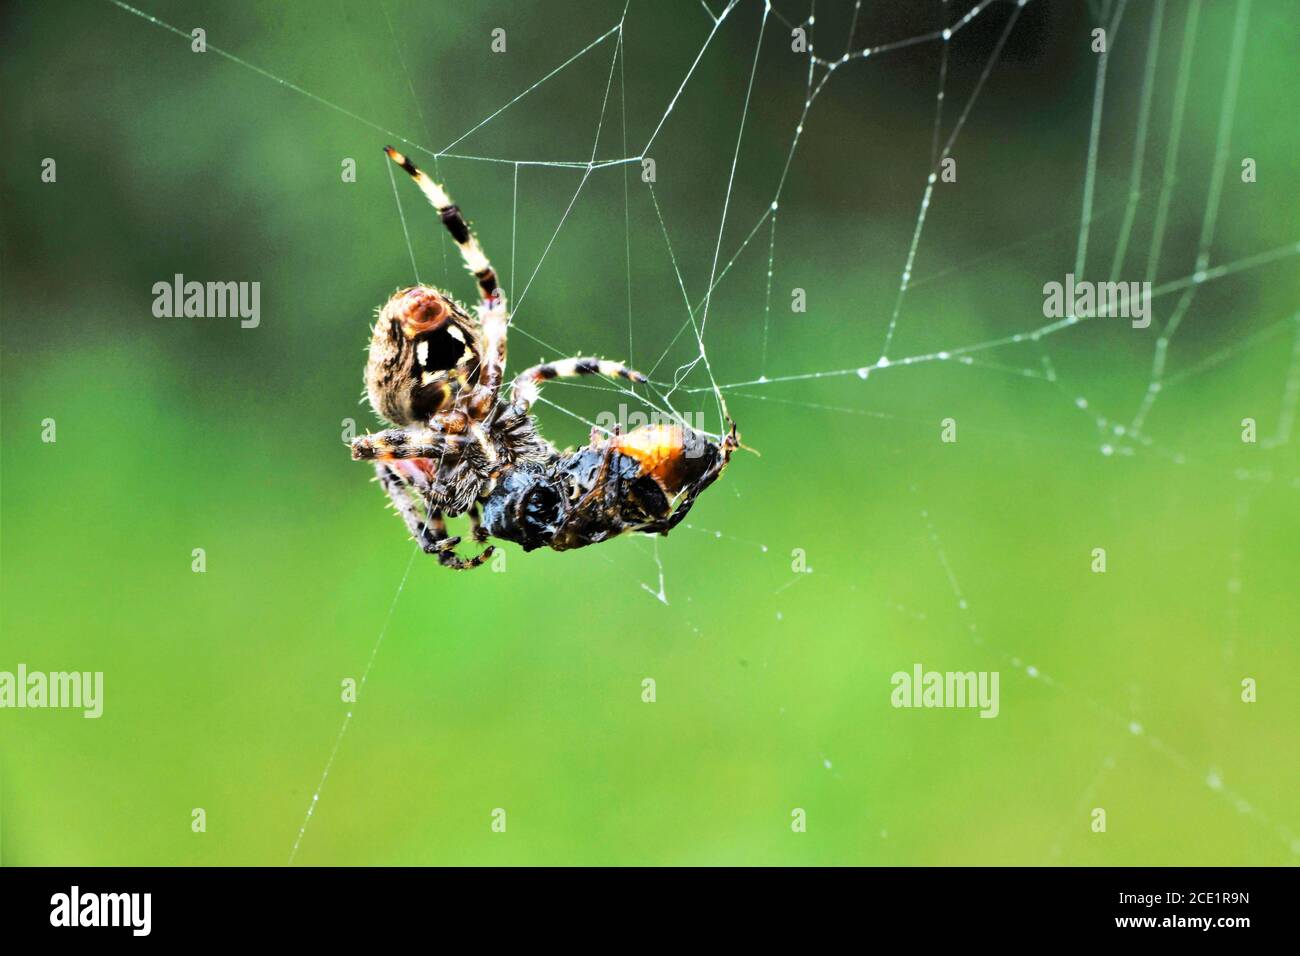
[(451, 217), (527, 384), (399, 492), (445, 547), (395, 443), (431, 532), (493, 315), (476, 524), (495, 321)]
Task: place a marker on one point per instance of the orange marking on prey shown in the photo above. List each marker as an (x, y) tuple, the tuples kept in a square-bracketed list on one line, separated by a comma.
[(659, 450)]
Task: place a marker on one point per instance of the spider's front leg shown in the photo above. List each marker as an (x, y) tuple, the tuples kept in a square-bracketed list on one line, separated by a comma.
[(493, 314), (528, 383), (470, 251), (495, 321), (400, 443)]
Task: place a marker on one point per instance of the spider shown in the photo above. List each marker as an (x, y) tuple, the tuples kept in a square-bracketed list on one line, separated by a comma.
[(435, 373)]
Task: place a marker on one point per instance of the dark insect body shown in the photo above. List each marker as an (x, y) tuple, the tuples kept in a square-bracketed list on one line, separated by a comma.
[(621, 483), (435, 373)]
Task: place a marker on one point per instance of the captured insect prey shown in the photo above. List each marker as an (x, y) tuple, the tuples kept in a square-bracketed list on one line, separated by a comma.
[(617, 483), (435, 373)]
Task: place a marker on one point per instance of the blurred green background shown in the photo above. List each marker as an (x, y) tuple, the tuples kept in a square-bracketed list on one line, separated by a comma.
[(523, 689)]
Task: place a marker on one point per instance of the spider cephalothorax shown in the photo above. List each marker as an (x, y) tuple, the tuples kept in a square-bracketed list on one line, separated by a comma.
[(435, 372)]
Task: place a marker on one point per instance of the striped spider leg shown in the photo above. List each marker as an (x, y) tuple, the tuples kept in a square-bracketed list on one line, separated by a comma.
[(435, 373)]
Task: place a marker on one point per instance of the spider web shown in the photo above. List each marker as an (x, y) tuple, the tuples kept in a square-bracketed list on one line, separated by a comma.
[(1165, 40)]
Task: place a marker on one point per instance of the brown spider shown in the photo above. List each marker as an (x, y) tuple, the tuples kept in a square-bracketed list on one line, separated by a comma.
[(435, 373)]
